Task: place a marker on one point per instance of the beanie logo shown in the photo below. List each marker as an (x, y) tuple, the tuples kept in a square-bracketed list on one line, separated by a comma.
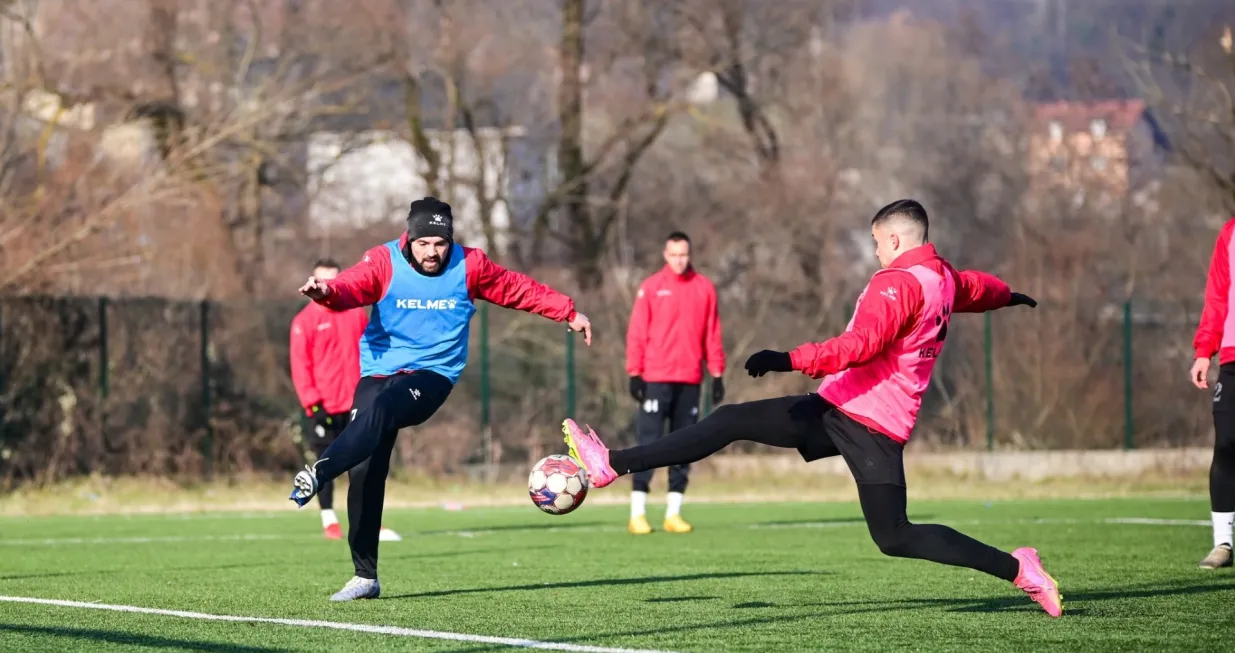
[(437, 219)]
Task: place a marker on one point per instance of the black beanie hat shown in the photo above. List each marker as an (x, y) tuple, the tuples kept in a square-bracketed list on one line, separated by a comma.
[(430, 217)]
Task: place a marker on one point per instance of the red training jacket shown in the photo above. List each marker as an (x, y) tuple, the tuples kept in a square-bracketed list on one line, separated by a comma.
[(876, 325), (1212, 334), (674, 328), (325, 356), (366, 282)]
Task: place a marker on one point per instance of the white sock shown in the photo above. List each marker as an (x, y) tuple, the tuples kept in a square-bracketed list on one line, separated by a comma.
[(328, 518), (638, 504), (1222, 527), (674, 501)]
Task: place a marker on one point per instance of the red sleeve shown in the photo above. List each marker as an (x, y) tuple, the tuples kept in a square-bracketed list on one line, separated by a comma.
[(1208, 338), (301, 349), (889, 306), (714, 340), (362, 284), (509, 289), (637, 332), (979, 292)]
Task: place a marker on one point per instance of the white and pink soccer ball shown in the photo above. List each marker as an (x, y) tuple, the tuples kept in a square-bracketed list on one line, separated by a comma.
[(558, 484)]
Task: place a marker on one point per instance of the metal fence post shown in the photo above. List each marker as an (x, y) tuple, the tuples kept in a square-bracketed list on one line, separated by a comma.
[(988, 348), (204, 338), (570, 374), (103, 362), (1127, 341), (486, 433)]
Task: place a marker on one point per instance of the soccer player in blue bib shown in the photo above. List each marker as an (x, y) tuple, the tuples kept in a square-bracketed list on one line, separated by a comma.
[(423, 289)]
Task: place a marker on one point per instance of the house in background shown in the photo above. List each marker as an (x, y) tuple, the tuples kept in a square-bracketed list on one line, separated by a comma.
[(364, 170), (1110, 147)]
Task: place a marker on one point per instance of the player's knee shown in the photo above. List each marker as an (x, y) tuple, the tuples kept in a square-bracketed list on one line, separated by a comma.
[(892, 541), (724, 412)]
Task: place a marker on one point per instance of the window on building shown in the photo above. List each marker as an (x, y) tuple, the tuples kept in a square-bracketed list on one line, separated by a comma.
[(1097, 127)]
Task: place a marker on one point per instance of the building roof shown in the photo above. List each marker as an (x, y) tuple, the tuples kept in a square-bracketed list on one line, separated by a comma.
[(1120, 115)]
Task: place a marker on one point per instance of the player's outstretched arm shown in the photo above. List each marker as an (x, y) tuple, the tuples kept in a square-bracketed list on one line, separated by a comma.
[(509, 289), (979, 292), (362, 284)]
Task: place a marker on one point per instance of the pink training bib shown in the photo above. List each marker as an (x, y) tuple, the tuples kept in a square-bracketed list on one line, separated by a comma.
[(888, 390)]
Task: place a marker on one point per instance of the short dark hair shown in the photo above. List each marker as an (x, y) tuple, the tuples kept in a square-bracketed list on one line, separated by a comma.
[(327, 263), (910, 210), (678, 237)]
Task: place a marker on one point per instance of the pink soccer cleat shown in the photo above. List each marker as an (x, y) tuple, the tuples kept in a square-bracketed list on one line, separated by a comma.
[(1037, 583), (590, 452)]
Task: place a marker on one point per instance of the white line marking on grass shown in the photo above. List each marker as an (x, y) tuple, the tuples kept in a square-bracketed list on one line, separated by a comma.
[(1046, 521), (56, 541), (1156, 522), (334, 625)]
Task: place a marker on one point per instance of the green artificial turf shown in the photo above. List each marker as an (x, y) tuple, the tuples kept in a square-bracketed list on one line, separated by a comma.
[(752, 577)]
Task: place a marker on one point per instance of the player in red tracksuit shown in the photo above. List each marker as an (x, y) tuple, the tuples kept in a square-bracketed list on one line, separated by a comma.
[(324, 349), (874, 376), (674, 329), (1216, 335)]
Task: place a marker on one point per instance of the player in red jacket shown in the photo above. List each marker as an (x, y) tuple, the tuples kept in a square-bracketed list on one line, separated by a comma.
[(674, 329), (874, 376), (325, 360), (1216, 335)]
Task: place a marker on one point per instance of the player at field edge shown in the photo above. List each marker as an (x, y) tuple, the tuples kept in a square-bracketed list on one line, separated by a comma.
[(423, 287), (1215, 335), (674, 330), (324, 352), (874, 375)]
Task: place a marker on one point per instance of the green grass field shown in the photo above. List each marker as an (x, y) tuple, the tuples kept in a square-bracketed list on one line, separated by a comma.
[(753, 577)]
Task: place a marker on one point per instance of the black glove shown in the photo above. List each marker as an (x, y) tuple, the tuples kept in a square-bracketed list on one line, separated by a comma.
[(718, 390), (321, 417), (638, 389), (1022, 300), (765, 361)]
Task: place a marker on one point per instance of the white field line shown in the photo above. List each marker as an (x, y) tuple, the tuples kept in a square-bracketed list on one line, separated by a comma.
[(1142, 521), (57, 541), (397, 631)]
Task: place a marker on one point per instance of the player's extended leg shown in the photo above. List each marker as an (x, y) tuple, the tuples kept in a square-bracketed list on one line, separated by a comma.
[(649, 426), (1222, 470), (366, 499), (883, 505), (685, 412), (782, 422), (878, 467), (403, 400), (383, 407)]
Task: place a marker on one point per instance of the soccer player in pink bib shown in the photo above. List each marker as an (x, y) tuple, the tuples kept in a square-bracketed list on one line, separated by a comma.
[(874, 375)]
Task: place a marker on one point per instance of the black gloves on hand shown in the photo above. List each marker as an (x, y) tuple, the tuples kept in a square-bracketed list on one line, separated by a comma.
[(765, 361), (638, 389), (1022, 300), (321, 417), (718, 390)]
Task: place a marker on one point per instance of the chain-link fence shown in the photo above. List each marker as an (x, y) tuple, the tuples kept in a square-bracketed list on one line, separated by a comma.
[(150, 386)]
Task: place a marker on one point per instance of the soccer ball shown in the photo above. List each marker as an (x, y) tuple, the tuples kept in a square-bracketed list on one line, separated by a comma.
[(557, 484)]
